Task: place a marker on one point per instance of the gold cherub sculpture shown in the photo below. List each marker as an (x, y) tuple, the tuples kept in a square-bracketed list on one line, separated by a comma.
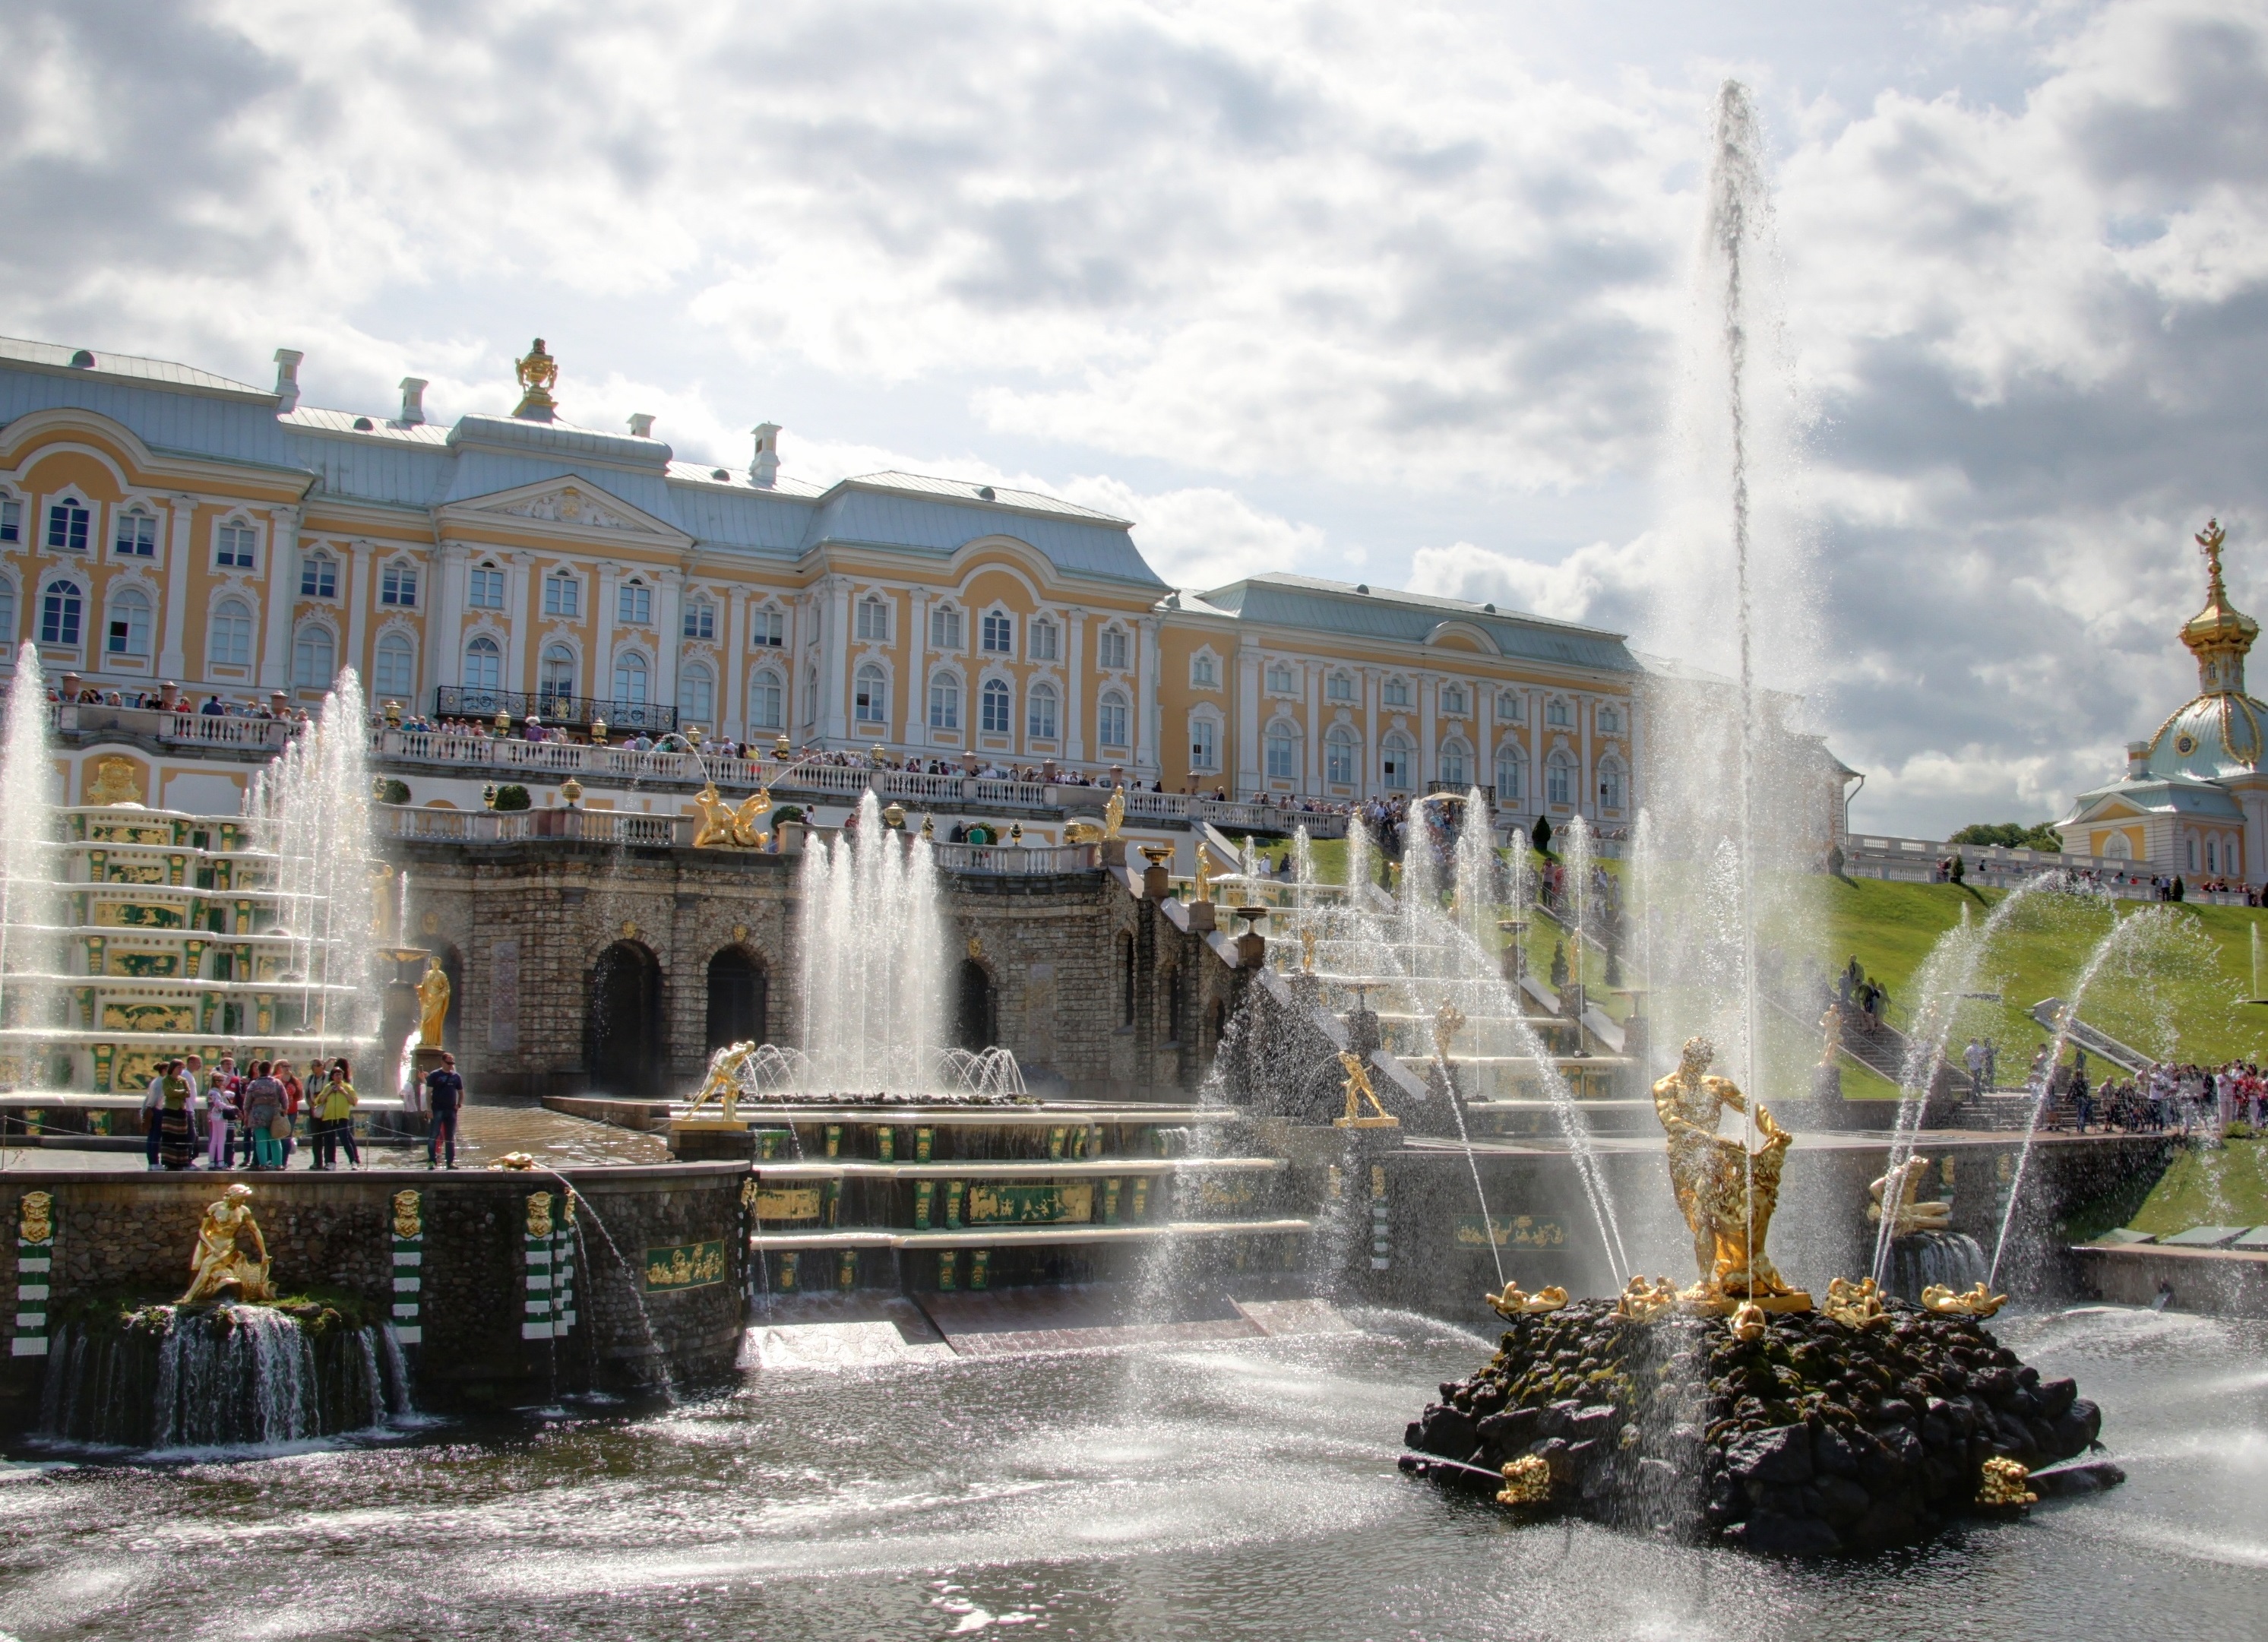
[(1359, 1089), (1749, 1324), (1517, 1302), (220, 1259), (1644, 1299), (1856, 1304), (1901, 1189), (1726, 1192), (1307, 950), (1977, 1302)]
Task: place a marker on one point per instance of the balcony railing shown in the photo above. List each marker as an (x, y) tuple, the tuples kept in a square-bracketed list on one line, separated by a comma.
[(172, 729), (458, 701)]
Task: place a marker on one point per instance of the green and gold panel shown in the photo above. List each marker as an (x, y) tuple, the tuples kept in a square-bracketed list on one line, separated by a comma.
[(1029, 1203), (134, 871), (133, 1068), (687, 1266), (130, 915), (128, 832), (143, 966), (125, 1017), (1510, 1231), (1221, 1193), (780, 1205)]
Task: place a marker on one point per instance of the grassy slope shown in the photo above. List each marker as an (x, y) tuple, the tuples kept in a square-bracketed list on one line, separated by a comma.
[(2224, 1185)]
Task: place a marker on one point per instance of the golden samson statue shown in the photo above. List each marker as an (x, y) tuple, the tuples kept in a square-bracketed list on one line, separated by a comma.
[(229, 1253), (1725, 1192)]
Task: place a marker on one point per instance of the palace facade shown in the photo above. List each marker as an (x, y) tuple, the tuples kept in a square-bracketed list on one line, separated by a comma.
[(159, 523)]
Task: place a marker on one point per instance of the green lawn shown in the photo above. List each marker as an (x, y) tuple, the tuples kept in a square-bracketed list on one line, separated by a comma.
[(2223, 1185)]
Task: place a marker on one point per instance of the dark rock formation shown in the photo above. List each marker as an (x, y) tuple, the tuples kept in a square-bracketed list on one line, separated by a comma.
[(1815, 1438)]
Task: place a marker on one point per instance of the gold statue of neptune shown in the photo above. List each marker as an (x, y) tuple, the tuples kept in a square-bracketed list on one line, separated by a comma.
[(1726, 1193)]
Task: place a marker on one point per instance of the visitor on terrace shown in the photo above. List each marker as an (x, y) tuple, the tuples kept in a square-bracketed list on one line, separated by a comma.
[(335, 1108), (177, 1143)]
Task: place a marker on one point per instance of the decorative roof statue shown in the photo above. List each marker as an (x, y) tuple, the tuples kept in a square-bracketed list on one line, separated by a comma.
[(538, 372)]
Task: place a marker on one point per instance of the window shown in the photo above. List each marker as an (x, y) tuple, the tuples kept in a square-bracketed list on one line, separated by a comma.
[(1610, 722), (12, 519), (1204, 673), (1110, 649), (137, 536), (1043, 640), (1110, 721), (1555, 715), (555, 681), (485, 588), (129, 623), (701, 621), (870, 699), (995, 707), (634, 605), (1279, 749), (318, 577), (630, 679), (397, 586), (810, 693), (228, 636), (395, 675), (1279, 677), (945, 628), (1204, 744), (873, 619), (1338, 687), (7, 612), (67, 527), (767, 702), (2193, 864), (1338, 756), (1455, 770), (1510, 707), (696, 694), (484, 665), (1396, 693), (314, 657), (563, 595), (998, 636), (767, 629), (1559, 779), (235, 547), (1453, 698), (1041, 713), (944, 701), (1610, 785), (1395, 762), (1510, 774), (60, 611)]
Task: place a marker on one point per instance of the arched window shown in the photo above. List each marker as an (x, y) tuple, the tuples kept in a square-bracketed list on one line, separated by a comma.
[(1110, 721), (314, 657), (1110, 649), (767, 702), (700, 619), (1204, 743), (7, 612), (555, 686), (768, 628), (998, 634), (2212, 855), (1453, 698), (62, 607), (1610, 785), (1394, 762), (2118, 849), (630, 679), (945, 628), (1339, 750), (1396, 693), (1040, 715), (1204, 673), (869, 699), (2193, 853), (67, 526), (1281, 745), (1510, 773), (395, 675), (634, 604), (995, 718), (944, 701), (874, 618), (129, 623), (484, 665), (1559, 778), (232, 546), (137, 535), (318, 577), (228, 636), (696, 694), (1455, 766), (1043, 640)]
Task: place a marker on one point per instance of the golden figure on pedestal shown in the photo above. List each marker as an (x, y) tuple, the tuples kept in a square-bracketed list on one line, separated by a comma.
[(1517, 1302), (538, 372), (221, 1259), (1726, 1193), (1202, 894), (1977, 1302), (1358, 1090), (432, 1004), (713, 828)]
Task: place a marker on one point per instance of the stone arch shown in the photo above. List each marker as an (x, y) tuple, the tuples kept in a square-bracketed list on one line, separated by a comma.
[(976, 1008), (622, 1020), (739, 997)]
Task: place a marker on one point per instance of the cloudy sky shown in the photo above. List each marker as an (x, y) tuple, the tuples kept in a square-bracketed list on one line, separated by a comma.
[(1384, 292)]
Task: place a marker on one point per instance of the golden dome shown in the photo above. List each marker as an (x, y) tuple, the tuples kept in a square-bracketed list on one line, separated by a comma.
[(2220, 634)]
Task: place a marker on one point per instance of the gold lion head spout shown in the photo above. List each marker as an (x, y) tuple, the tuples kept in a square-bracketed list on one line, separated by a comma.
[(35, 1217), (408, 1219)]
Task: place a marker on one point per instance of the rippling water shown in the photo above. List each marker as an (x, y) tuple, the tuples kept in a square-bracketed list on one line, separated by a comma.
[(1243, 1491)]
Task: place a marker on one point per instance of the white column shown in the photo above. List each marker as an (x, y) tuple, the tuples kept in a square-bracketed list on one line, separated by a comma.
[(800, 709), (1587, 714), (520, 610), (918, 675), (602, 648), (732, 711), (1484, 734), (669, 621), (1429, 704), (283, 588), (1248, 717), (1637, 763), (1074, 652), (1147, 731), (172, 660), (1374, 771), (834, 667), (445, 637), (1312, 743), (358, 603)]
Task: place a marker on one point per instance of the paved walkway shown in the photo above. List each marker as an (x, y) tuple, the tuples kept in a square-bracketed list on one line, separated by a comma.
[(485, 1134)]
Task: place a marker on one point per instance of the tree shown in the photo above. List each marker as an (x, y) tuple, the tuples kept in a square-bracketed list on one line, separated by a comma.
[(2011, 835), (1542, 837)]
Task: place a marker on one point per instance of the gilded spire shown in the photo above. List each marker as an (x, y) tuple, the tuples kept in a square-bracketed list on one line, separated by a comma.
[(537, 373), (2218, 635)]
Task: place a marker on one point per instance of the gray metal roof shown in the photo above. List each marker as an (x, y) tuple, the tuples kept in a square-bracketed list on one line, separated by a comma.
[(1312, 603), (128, 367)]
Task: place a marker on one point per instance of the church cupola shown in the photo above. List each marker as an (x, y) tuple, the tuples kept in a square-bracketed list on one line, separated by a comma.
[(2218, 635)]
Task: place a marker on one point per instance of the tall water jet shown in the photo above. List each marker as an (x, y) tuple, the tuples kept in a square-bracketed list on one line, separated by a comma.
[(871, 948), (30, 897)]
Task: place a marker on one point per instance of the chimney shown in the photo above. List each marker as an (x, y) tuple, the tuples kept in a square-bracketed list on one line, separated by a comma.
[(413, 401), (763, 465), (2138, 759), (287, 378), (641, 425)]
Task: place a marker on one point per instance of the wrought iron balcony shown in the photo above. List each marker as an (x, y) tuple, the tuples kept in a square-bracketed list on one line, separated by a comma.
[(458, 701)]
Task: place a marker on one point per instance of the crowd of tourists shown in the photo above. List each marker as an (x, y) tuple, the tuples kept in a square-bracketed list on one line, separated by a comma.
[(231, 1116), (183, 705)]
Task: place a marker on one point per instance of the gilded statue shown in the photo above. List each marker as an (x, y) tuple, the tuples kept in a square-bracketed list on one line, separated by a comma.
[(519, 1162), (1726, 1193), (1527, 1480), (1114, 813), (1749, 1324), (35, 1217), (538, 373), (1359, 1089), (1857, 1305), (1307, 950), (221, 1259), (745, 816), (1900, 1189), (1831, 1034), (1448, 1020), (381, 901), (1977, 1302), (723, 1084), (1202, 894), (432, 1005), (1644, 1299), (2003, 1482), (408, 1215), (713, 829), (1516, 1302)]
